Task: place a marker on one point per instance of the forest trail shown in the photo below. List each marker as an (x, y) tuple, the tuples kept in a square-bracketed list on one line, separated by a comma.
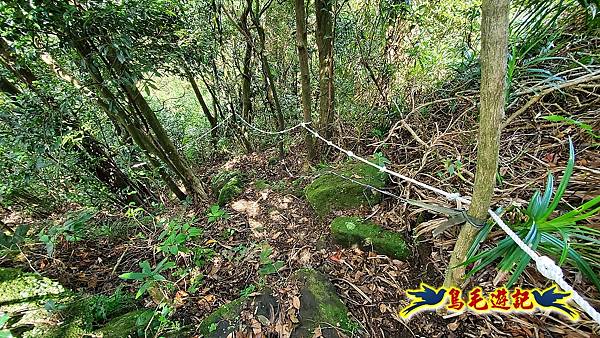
[(271, 233), (315, 168)]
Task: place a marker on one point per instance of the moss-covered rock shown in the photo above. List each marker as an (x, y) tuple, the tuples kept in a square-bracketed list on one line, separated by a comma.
[(320, 306), (223, 320), (353, 230), (226, 185), (226, 319), (24, 297), (41, 307), (331, 192), (132, 324), (16, 287)]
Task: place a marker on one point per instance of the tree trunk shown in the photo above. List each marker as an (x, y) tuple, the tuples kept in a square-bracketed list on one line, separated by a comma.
[(9, 88), (116, 111), (212, 120), (246, 75), (272, 96), (190, 180), (324, 37), (163, 143), (494, 37), (304, 75)]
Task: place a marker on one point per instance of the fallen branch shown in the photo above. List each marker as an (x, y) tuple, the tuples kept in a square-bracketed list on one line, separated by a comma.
[(548, 90)]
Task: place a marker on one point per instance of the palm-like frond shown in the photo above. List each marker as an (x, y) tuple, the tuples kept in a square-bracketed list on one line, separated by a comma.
[(560, 237)]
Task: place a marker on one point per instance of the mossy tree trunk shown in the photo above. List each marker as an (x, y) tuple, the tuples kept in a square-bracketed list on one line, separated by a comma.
[(324, 38), (494, 37), (304, 74), (246, 73)]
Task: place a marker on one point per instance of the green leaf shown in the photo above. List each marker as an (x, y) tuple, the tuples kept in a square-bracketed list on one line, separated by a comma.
[(581, 264), (180, 238), (481, 236), (167, 266), (565, 248), (143, 289), (133, 275), (158, 277), (563, 182), (145, 265), (193, 232)]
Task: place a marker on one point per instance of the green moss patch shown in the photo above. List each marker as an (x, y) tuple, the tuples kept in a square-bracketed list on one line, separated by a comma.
[(330, 192), (320, 306), (226, 185), (222, 321), (132, 324), (16, 287), (352, 230), (24, 297), (41, 307)]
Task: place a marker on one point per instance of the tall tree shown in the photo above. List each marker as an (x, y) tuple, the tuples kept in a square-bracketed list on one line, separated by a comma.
[(138, 119), (115, 61), (304, 74), (247, 62), (270, 88), (324, 38), (494, 39)]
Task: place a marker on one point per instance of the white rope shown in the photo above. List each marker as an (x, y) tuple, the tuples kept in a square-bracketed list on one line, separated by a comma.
[(449, 196), (544, 264), (215, 127), (270, 132), (548, 268), (202, 136)]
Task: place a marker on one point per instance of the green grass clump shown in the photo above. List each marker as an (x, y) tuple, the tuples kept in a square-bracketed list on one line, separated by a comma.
[(227, 185), (565, 237)]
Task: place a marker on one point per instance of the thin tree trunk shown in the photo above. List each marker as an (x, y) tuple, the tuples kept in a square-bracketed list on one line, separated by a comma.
[(324, 38), (191, 181), (163, 142), (9, 88), (212, 120), (246, 75), (304, 75), (272, 96), (494, 37)]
